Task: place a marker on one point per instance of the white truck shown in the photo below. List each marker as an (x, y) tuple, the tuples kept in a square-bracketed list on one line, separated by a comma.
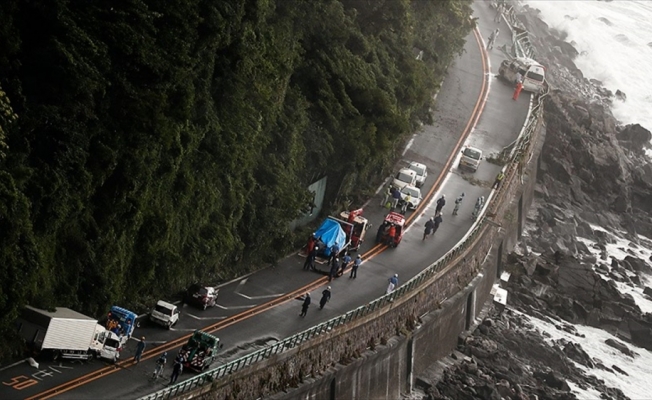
[(65, 333)]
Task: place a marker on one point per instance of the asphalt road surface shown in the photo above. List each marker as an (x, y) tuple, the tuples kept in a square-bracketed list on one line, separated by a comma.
[(473, 108)]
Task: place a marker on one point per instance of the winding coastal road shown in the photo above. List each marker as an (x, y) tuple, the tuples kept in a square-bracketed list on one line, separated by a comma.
[(472, 108)]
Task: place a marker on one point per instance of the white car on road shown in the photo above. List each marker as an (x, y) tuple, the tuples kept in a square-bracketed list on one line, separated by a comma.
[(405, 177), (415, 196), (422, 172)]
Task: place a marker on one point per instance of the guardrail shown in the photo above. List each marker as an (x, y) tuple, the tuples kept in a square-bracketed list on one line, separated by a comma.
[(513, 167)]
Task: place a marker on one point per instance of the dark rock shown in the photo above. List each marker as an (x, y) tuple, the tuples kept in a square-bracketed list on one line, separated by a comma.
[(488, 322), (647, 291), (641, 334), (576, 353), (552, 379), (484, 329), (620, 347), (620, 95), (638, 265), (601, 268), (615, 368)]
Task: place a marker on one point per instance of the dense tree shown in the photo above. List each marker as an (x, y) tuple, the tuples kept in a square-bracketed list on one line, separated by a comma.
[(148, 144)]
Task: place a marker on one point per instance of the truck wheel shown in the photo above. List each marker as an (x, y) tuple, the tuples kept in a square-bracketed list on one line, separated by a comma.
[(56, 356)]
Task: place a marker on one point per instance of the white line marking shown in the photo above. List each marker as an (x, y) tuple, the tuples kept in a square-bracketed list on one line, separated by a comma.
[(203, 318), (237, 291), (268, 296), (13, 365), (183, 329)]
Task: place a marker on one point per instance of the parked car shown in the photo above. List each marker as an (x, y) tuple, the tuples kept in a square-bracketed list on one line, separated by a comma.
[(415, 196), (164, 313), (470, 159), (404, 177), (422, 172), (201, 296)]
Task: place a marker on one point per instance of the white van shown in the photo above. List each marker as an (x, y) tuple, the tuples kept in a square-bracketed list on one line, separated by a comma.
[(422, 172), (470, 159), (405, 177), (532, 73)]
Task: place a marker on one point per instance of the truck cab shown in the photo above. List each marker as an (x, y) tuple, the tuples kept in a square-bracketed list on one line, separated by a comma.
[(165, 314), (121, 322), (200, 351), (106, 344)]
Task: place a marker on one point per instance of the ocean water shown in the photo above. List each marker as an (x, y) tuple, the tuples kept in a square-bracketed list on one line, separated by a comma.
[(615, 43), (639, 368), (635, 386)]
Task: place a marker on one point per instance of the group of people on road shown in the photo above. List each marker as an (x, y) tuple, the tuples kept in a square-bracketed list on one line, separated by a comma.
[(177, 367), (392, 198)]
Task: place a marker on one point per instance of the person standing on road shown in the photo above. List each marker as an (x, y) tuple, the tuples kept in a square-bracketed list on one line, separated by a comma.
[(441, 202), (430, 225), (356, 265), (393, 283), (437, 221), (335, 252), (517, 90), (396, 197), (325, 297), (140, 348), (391, 235), (310, 259), (177, 369), (334, 268), (492, 39), (346, 260), (305, 305), (519, 78), (458, 203), (499, 179), (387, 196), (406, 203)]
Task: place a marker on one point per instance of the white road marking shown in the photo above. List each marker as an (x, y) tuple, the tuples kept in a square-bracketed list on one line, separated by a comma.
[(183, 329), (237, 291), (203, 318), (13, 365)]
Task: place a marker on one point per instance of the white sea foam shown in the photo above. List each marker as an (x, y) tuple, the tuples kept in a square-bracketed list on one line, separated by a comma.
[(635, 386), (614, 40)]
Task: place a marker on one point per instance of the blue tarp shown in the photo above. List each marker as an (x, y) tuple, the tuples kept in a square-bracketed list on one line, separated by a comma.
[(331, 233)]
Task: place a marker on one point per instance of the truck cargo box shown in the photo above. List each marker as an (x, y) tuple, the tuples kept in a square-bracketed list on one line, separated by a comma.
[(62, 329)]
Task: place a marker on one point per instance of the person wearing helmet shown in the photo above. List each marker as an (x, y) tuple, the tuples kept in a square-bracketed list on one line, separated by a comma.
[(393, 283), (325, 297), (160, 364)]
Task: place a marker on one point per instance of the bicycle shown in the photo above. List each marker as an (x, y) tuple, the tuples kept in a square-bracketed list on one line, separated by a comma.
[(158, 371)]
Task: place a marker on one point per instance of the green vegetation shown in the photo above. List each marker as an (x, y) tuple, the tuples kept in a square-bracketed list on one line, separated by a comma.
[(148, 144)]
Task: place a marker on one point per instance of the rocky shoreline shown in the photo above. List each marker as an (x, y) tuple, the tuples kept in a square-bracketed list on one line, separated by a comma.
[(594, 194)]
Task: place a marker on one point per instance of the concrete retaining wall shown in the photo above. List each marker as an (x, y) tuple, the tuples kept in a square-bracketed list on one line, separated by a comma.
[(376, 357)]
